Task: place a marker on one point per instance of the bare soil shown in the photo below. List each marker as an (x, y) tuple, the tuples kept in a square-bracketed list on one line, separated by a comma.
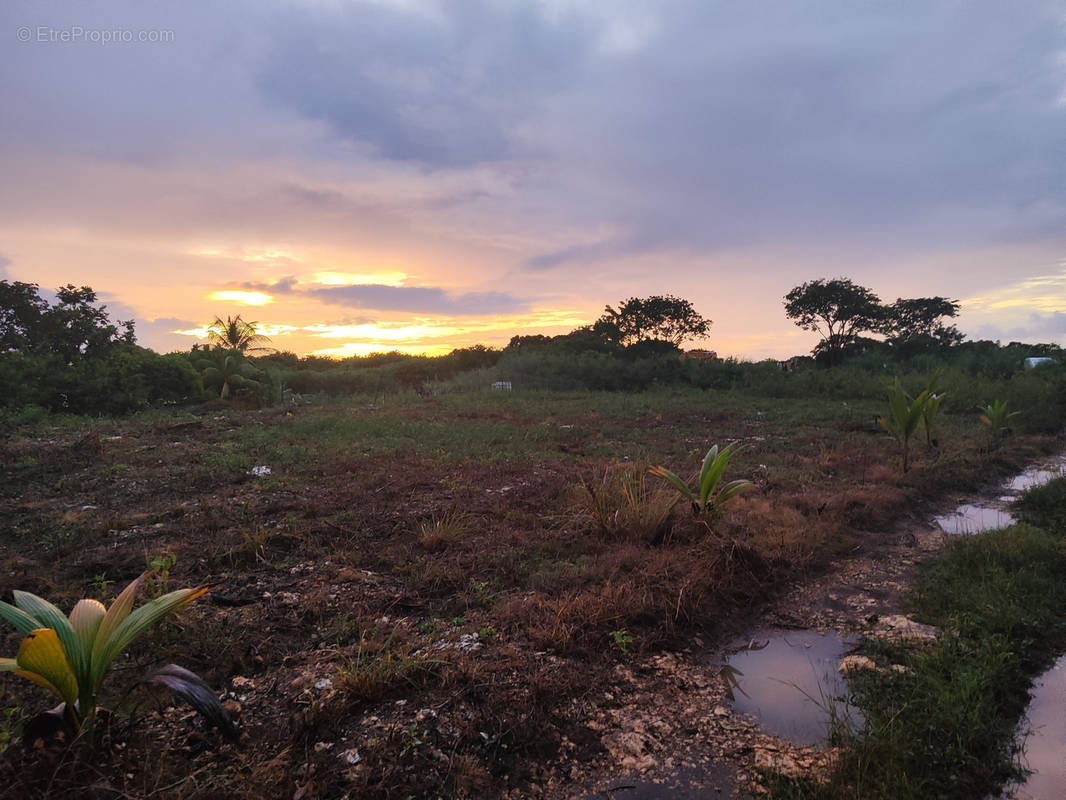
[(367, 651)]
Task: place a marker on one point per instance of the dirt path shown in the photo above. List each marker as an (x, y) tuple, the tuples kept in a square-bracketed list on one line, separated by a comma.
[(666, 724)]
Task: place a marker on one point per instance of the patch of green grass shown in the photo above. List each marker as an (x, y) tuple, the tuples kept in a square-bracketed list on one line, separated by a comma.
[(11, 719), (226, 461), (377, 669), (1044, 506), (944, 726)]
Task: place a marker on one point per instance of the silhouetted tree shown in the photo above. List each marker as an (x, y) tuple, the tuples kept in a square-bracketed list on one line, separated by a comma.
[(69, 356), (837, 310), (663, 317), (915, 325)]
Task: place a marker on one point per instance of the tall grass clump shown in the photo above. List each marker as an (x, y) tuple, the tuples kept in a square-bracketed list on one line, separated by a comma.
[(622, 505)]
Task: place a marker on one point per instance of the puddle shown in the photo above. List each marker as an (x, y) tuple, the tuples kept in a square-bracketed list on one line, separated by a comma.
[(974, 519), (787, 678), (1044, 749), (1037, 476)]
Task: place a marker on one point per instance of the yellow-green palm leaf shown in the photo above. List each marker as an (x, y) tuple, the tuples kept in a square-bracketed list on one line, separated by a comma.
[(107, 649), (43, 660)]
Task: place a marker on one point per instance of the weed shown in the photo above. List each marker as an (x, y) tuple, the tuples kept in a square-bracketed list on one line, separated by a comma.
[(254, 543), (101, 584), (486, 632), (377, 669), (482, 592), (412, 738), (157, 583), (11, 719), (622, 639)]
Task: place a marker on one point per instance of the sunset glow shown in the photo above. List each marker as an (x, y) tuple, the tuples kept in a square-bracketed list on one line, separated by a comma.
[(351, 279), (370, 192), (242, 298)]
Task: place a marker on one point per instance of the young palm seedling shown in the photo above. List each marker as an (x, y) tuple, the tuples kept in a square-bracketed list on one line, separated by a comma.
[(69, 656), (996, 416), (903, 417), (708, 497), (931, 409)]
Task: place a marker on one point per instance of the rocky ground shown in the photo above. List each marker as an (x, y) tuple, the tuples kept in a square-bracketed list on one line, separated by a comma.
[(667, 725)]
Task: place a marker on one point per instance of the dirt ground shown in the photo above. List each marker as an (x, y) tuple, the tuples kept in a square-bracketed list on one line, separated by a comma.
[(403, 623), (668, 728)]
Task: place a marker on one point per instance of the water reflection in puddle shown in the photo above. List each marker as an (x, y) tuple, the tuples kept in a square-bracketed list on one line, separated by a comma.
[(1044, 749), (1037, 476), (974, 519), (787, 678), (971, 518)]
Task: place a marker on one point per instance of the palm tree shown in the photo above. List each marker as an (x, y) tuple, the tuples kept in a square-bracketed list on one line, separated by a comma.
[(236, 338), (234, 333), (230, 371)]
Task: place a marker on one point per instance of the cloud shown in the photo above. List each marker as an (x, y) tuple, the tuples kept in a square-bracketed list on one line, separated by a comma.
[(419, 299), (446, 88), (577, 152), (383, 297), (696, 126), (1036, 327)]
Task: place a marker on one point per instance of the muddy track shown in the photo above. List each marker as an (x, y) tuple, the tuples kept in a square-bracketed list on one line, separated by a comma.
[(666, 723)]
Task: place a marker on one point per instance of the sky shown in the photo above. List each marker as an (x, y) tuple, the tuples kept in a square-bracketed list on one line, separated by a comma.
[(418, 176)]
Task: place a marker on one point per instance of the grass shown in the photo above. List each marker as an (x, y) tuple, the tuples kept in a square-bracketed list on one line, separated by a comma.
[(378, 669), (1044, 506), (624, 504), (945, 726)]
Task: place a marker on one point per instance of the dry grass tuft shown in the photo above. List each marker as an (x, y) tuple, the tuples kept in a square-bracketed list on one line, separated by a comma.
[(624, 505), (440, 531)]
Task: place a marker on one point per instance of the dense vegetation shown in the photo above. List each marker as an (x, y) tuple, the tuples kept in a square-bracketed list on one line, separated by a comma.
[(69, 357)]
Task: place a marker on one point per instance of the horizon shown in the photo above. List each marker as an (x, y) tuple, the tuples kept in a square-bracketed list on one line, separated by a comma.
[(398, 175)]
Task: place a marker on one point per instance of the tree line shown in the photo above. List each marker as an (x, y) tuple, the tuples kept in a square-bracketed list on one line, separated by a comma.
[(841, 311), (67, 355)]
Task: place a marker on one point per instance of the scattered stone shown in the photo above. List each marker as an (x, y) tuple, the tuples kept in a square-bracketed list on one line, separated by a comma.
[(901, 628), (853, 663), (630, 749)]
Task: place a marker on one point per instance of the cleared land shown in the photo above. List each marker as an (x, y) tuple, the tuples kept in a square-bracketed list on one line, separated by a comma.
[(428, 596)]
